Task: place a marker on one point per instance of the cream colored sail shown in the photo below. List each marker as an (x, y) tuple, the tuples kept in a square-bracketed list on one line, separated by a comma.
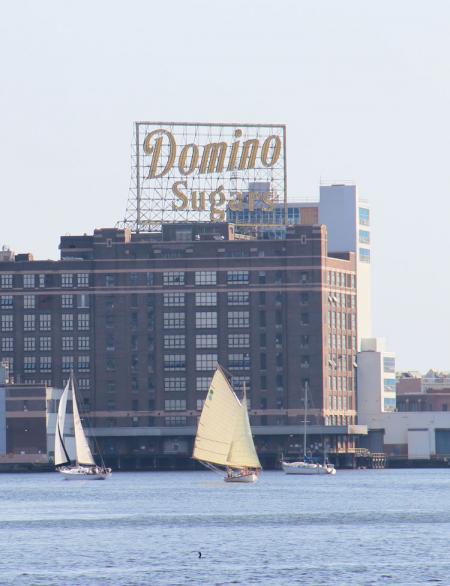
[(217, 421), (61, 455), (84, 454), (242, 452)]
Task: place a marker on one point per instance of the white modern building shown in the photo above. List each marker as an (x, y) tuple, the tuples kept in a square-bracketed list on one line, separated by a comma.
[(347, 218), (376, 382)]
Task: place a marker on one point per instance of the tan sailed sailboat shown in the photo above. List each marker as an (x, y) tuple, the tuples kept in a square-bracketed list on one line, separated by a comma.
[(224, 439), (85, 467)]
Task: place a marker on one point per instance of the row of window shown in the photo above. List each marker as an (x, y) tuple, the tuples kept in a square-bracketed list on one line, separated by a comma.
[(29, 301), (31, 281), (340, 383), (338, 279), (342, 342), (45, 322), (30, 363), (341, 321), (236, 361), (340, 403), (44, 343), (178, 384), (207, 341)]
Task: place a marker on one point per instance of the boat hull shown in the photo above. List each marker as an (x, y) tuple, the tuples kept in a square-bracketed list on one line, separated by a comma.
[(79, 473), (307, 468), (243, 478)]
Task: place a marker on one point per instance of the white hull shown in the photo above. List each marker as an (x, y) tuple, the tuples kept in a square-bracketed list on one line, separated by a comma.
[(307, 468), (252, 477), (81, 473)]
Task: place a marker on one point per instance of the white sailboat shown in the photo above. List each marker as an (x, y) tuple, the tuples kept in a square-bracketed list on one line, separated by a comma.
[(306, 466), (224, 439), (85, 467)]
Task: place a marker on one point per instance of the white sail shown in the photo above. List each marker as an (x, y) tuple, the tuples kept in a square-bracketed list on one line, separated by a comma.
[(242, 451), (84, 454), (217, 421), (61, 455)]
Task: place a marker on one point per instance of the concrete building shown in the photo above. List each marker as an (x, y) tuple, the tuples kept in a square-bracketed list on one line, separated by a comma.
[(142, 319), (376, 378)]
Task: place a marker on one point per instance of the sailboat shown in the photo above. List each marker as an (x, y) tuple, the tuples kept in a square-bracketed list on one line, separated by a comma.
[(224, 439), (306, 466), (85, 467)]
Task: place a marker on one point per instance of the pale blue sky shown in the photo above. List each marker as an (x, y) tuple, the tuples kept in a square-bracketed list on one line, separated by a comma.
[(363, 87)]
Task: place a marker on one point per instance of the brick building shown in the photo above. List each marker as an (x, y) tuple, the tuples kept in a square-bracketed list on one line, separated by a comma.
[(143, 318)]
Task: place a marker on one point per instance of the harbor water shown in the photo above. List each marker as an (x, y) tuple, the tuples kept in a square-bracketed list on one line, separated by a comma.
[(358, 527)]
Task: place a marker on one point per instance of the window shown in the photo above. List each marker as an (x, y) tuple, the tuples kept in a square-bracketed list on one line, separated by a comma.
[(67, 363), (239, 340), (29, 363), (83, 321), (6, 302), (206, 341), (364, 255), (67, 343), (237, 277), (173, 278), (174, 384), (83, 343), (389, 364), (82, 301), (304, 341), (201, 402), (304, 298), (150, 279), (175, 341), (205, 278), (174, 361), (304, 277), (239, 382), (206, 361), (83, 280), (45, 322), (45, 344), (238, 319), (6, 281), (110, 364), (202, 383), (29, 322), (304, 319), (364, 216), (174, 320), (239, 361), (7, 344), (45, 363), (238, 298), (175, 404), (66, 280), (304, 362), (206, 319), (28, 281), (29, 344), (29, 301), (110, 280), (67, 321), (83, 363), (364, 237), (41, 281), (174, 299), (206, 298)]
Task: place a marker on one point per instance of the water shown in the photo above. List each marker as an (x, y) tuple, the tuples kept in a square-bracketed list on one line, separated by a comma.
[(358, 527)]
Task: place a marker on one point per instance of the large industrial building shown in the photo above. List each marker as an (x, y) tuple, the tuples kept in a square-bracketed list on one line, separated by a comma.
[(143, 319)]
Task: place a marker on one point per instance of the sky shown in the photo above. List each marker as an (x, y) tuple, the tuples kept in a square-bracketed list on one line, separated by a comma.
[(363, 88)]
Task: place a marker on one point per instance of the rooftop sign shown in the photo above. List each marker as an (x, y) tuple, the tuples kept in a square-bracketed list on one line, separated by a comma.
[(199, 172)]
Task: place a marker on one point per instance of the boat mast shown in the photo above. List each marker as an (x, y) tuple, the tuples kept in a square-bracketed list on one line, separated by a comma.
[(304, 419)]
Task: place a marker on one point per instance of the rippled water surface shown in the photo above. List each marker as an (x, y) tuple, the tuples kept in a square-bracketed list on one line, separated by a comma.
[(358, 527)]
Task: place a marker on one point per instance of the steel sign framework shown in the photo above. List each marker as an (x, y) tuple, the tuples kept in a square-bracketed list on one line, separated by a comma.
[(184, 172)]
